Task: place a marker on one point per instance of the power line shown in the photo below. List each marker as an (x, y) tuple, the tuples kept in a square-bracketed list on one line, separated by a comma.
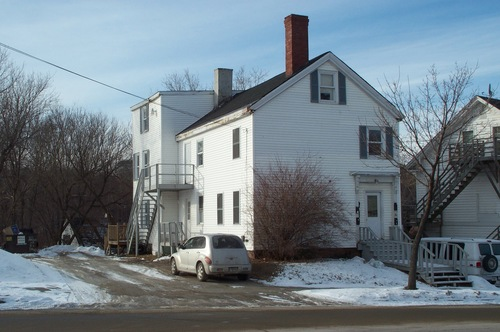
[(94, 80)]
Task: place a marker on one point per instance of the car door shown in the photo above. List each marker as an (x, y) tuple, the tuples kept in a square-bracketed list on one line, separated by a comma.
[(184, 253), (196, 252)]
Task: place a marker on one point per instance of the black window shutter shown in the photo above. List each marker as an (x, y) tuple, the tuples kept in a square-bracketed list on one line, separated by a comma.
[(342, 89), (363, 150), (389, 141), (314, 87)]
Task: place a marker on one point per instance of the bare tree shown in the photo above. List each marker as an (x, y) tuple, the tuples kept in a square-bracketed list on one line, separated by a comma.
[(244, 80), (181, 82), (187, 81), (79, 157), (295, 207), (430, 120), (23, 101)]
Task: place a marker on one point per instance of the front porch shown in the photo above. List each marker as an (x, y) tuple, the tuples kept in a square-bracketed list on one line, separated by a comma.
[(434, 269)]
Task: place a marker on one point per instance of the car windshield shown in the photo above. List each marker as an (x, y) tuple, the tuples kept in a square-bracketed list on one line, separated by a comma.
[(227, 241)]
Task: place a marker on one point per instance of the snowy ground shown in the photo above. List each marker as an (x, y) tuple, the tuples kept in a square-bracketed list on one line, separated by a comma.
[(35, 284)]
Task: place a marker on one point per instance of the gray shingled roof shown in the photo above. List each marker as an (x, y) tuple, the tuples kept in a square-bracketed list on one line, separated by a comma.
[(492, 101), (246, 98)]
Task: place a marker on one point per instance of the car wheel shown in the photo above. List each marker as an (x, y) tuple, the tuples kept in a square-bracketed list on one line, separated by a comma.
[(200, 272), (490, 263), (173, 267), (242, 277)]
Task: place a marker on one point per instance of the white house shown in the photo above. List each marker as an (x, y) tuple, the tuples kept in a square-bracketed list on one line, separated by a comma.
[(469, 200), (195, 152)]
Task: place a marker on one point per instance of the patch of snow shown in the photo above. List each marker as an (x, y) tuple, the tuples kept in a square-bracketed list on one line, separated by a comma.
[(143, 270), (31, 284)]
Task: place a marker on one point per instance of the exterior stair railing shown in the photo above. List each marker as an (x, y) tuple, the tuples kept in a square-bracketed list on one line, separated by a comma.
[(432, 262), (462, 169), (133, 221), (152, 181)]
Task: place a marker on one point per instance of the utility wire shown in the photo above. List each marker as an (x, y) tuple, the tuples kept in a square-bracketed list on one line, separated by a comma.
[(93, 80)]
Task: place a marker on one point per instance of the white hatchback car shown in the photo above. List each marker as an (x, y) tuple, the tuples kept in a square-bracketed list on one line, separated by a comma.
[(212, 254)]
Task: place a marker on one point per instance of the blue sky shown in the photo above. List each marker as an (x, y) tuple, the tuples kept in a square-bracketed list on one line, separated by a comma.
[(132, 45)]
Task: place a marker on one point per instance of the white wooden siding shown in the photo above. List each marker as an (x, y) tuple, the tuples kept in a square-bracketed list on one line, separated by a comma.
[(221, 174), (291, 127), (288, 127), (475, 212)]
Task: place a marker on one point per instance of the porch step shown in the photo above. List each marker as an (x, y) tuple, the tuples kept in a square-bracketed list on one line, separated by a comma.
[(446, 278)]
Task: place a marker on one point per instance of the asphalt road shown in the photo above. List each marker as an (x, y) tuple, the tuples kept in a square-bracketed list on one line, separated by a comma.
[(477, 318)]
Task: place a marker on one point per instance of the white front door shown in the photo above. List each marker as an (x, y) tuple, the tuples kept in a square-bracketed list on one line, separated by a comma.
[(373, 215)]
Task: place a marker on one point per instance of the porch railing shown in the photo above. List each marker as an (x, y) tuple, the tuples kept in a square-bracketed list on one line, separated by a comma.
[(168, 174), (431, 257)]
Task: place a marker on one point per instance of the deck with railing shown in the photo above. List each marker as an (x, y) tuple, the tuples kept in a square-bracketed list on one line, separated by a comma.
[(169, 177), (436, 267)]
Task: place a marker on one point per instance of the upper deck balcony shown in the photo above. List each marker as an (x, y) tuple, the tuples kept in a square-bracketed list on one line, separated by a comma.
[(485, 149), (169, 177)]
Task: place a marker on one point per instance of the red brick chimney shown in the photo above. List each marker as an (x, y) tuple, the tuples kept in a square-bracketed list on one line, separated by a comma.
[(296, 43)]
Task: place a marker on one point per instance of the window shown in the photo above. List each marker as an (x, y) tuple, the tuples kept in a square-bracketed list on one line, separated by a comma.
[(328, 87), (496, 133), (200, 209), (227, 241), (144, 114), (496, 140), (372, 206), (188, 211), (199, 153), (236, 207), (198, 242), (375, 142), (236, 143), (137, 166), (220, 210), (467, 136), (145, 155)]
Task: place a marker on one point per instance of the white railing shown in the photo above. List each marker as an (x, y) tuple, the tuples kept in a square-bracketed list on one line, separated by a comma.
[(447, 254), (431, 255), (168, 174), (133, 221)]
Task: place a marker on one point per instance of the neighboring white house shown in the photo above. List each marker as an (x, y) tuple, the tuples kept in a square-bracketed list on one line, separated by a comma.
[(197, 151), (470, 199)]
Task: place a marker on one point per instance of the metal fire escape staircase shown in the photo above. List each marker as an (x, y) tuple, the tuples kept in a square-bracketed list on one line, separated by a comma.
[(463, 167), (152, 182), (466, 160), (142, 216)]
